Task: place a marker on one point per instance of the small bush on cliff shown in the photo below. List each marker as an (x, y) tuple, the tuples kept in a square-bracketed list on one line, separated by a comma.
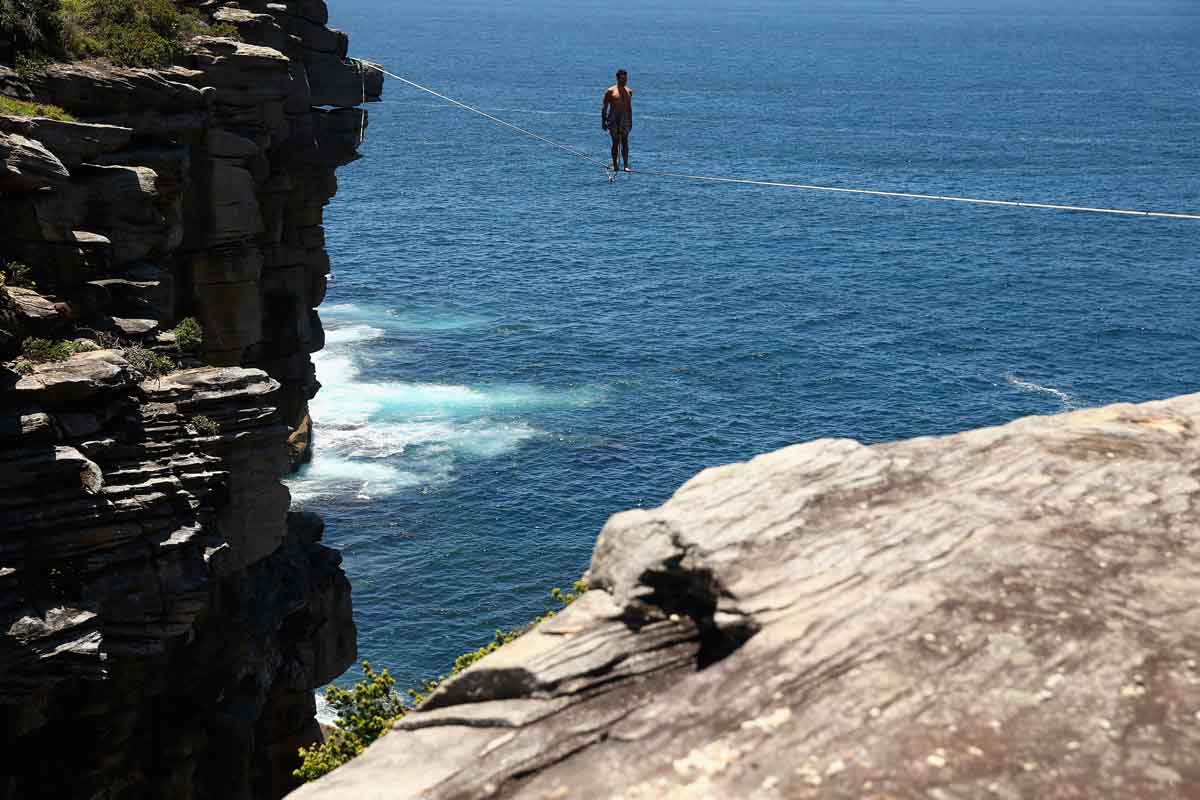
[(205, 426), (371, 706), (188, 334), (146, 362), (364, 712), (41, 351), (17, 274)]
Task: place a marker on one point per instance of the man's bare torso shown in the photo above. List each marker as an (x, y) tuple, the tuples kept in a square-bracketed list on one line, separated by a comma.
[(618, 99)]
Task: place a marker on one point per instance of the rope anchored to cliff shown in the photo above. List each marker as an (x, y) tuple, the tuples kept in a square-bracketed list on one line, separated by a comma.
[(799, 186), (498, 121)]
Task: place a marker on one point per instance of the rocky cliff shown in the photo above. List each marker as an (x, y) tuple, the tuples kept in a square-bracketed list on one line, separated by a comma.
[(1008, 613), (163, 618)]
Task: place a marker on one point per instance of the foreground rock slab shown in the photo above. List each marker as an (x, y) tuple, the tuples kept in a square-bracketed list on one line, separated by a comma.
[(1010, 612)]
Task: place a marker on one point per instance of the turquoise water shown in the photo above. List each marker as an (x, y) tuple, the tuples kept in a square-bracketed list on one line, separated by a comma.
[(518, 348)]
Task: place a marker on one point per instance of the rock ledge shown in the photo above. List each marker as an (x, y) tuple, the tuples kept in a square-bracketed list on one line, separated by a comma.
[(1009, 612)]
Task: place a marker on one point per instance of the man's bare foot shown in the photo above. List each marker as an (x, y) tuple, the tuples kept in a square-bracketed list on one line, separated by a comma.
[(627, 168)]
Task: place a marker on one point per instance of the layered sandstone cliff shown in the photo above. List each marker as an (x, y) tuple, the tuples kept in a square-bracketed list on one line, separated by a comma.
[(1008, 613), (163, 618)]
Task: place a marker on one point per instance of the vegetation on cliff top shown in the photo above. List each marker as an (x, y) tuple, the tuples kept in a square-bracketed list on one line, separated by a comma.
[(130, 33), (369, 708)]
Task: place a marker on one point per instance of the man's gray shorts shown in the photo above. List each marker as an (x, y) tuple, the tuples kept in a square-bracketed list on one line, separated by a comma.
[(619, 122)]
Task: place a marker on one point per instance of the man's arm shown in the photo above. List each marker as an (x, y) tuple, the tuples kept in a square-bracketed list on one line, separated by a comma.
[(604, 110)]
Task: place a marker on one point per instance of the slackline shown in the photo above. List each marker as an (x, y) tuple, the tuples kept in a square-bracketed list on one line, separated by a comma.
[(783, 185)]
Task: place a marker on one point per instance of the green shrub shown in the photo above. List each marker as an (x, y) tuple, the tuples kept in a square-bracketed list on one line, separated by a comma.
[(223, 29), (108, 341), (205, 426), (364, 713), (146, 362), (34, 26), (371, 706), (192, 24), (188, 334), (17, 274), (40, 351), (22, 367), (132, 33), (29, 63)]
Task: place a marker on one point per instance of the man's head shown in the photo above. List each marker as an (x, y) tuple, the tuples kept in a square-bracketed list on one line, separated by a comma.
[(622, 77)]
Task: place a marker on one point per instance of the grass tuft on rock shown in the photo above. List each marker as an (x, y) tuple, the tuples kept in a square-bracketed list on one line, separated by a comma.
[(20, 108)]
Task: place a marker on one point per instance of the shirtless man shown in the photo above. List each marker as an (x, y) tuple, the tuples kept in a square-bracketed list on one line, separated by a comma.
[(616, 117)]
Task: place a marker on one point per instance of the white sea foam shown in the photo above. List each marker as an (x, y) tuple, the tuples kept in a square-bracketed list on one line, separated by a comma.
[(332, 476), (413, 320), (325, 714), (374, 438), (345, 399), (484, 438), (1067, 400), (351, 333)]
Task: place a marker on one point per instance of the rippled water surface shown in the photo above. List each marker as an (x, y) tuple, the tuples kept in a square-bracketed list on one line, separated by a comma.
[(518, 348)]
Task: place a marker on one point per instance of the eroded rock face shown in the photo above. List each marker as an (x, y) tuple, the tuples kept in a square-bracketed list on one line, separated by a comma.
[(1009, 612), (163, 618)]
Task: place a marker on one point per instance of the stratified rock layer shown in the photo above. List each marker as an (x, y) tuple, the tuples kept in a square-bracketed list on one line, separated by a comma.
[(1009, 612), (163, 618)]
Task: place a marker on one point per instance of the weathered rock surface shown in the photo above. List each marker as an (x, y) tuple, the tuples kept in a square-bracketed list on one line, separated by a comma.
[(26, 310), (73, 142), (163, 618), (26, 165), (1009, 612)]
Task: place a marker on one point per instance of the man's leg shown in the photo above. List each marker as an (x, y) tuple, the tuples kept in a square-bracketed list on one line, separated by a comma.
[(616, 139), (624, 150)]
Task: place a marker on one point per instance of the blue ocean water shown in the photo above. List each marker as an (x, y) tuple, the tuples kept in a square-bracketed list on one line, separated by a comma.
[(518, 348)]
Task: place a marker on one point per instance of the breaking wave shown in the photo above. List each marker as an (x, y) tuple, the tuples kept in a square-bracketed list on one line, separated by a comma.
[(1068, 402), (375, 438)]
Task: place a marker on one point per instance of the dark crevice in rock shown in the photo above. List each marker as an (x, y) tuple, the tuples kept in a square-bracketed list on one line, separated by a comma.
[(696, 594)]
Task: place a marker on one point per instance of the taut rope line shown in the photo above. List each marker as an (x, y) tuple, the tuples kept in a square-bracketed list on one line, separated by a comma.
[(801, 186), (913, 196), (497, 120)]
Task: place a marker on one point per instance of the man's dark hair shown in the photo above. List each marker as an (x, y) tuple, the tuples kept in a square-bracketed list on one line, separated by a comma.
[(621, 72)]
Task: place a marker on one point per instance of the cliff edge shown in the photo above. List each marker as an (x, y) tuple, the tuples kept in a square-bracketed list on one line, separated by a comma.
[(163, 618), (1009, 612)]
